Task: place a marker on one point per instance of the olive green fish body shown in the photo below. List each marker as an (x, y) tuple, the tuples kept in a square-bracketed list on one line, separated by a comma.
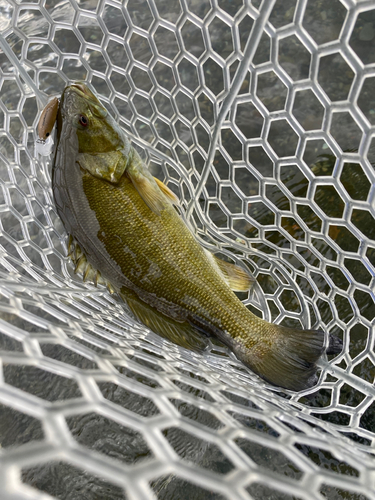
[(161, 259), (127, 227)]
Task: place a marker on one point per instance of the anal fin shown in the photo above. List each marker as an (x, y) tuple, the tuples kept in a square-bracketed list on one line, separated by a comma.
[(180, 333)]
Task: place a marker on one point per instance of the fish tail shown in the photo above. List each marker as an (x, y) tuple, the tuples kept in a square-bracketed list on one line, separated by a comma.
[(287, 357)]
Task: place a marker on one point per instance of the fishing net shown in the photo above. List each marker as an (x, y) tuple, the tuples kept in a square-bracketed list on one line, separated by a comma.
[(260, 117)]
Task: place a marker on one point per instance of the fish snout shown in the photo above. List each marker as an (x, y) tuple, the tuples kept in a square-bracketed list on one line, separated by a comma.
[(82, 87), (83, 90), (78, 94)]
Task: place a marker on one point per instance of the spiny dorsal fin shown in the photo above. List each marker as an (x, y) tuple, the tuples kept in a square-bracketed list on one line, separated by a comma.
[(89, 273), (237, 278), (168, 193), (82, 266), (182, 334)]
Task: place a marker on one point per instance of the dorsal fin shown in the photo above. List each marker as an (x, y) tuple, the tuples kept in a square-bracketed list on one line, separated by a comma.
[(180, 333), (82, 266), (237, 278)]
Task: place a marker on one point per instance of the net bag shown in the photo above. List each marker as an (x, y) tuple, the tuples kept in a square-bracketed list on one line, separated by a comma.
[(260, 118)]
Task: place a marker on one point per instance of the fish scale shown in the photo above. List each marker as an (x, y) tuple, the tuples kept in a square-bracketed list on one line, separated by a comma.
[(128, 230), (195, 287)]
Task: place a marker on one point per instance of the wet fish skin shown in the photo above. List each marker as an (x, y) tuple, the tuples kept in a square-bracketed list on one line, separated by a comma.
[(129, 230)]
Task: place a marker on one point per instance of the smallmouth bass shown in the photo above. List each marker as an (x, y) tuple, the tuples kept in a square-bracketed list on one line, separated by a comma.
[(130, 236)]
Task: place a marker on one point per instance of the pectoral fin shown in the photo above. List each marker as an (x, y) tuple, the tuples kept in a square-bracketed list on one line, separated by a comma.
[(109, 166), (168, 193), (149, 192), (237, 278), (182, 334), (153, 192), (146, 185)]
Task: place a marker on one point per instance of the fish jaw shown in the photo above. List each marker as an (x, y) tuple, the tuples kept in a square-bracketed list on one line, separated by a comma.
[(77, 97), (83, 116)]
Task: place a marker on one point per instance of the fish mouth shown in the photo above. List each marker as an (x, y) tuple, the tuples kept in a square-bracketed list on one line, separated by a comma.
[(80, 86), (82, 90)]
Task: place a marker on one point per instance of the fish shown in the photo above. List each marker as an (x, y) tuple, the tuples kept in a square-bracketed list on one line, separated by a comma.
[(126, 232), (47, 119)]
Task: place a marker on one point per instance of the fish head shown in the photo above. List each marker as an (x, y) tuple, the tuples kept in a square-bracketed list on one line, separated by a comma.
[(86, 122)]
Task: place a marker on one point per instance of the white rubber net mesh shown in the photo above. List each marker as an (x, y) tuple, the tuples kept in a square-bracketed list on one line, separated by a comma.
[(260, 118)]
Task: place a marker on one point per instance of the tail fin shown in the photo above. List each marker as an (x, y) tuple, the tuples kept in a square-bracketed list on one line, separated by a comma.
[(334, 345), (289, 360)]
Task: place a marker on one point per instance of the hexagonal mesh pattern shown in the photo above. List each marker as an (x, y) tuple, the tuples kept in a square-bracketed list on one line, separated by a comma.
[(260, 118)]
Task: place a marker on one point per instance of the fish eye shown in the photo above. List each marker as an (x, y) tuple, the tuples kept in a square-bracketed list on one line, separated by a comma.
[(83, 120)]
